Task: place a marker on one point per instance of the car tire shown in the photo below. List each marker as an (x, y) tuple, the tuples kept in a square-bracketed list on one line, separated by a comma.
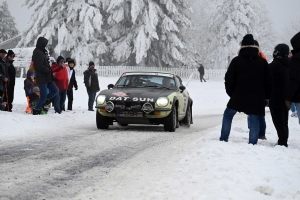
[(188, 118), (122, 124), (170, 122), (101, 121)]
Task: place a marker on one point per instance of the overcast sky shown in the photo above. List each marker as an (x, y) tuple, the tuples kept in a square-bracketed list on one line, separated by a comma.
[(280, 11)]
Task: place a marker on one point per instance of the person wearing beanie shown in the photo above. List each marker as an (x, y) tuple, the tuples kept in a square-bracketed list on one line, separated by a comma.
[(92, 84), (72, 82), (4, 78), (280, 68), (247, 83), (11, 70), (43, 77), (293, 94), (61, 80)]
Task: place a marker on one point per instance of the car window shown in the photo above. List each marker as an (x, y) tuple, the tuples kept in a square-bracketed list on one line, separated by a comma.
[(146, 81)]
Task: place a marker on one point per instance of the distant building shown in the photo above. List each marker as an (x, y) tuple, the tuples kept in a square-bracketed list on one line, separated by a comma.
[(10, 43)]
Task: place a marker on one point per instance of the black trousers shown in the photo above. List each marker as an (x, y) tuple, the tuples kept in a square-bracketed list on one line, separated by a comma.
[(10, 98), (70, 98), (280, 119), (201, 78)]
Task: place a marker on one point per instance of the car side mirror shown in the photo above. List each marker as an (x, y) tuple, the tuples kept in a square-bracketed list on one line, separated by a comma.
[(182, 88), (110, 86)]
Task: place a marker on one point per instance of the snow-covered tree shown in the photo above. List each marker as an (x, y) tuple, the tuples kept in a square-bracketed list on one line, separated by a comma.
[(7, 23), (147, 32), (73, 28), (229, 21)]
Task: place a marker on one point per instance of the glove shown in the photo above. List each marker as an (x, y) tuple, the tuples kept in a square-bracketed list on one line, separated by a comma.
[(88, 90), (29, 92), (76, 88), (288, 104)]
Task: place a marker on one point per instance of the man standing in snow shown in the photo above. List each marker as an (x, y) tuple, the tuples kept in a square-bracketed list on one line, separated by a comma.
[(11, 70), (201, 71), (293, 94), (3, 77), (92, 84), (43, 77), (248, 84)]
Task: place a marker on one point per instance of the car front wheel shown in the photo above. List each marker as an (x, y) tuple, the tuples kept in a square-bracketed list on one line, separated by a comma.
[(101, 121), (171, 121)]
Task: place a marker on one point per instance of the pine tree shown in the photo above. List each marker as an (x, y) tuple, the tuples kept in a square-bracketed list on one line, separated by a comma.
[(73, 28), (147, 32), (7, 23), (229, 21)]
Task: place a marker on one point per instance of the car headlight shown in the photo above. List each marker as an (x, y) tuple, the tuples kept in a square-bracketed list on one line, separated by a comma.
[(101, 99), (162, 101)]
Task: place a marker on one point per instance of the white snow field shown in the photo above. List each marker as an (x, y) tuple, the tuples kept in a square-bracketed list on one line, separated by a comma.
[(66, 157)]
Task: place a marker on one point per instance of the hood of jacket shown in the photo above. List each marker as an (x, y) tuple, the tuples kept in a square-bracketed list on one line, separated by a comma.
[(295, 42), (42, 43)]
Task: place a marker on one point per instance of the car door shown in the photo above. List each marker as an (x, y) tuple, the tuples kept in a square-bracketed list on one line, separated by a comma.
[(182, 98)]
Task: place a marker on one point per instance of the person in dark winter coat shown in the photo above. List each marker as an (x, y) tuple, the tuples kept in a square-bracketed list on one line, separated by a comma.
[(43, 77), (11, 70), (60, 73), (247, 83), (72, 82), (201, 71), (28, 87), (4, 78), (293, 94), (280, 68), (92, 84)]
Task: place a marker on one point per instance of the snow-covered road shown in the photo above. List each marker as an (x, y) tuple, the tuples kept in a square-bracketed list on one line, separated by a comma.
[(66, 163)]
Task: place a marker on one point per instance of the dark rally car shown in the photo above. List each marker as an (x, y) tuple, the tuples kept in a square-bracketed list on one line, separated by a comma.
[(145, 98)]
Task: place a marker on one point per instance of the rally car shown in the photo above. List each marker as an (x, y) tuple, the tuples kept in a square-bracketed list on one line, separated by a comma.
[(145, 98)]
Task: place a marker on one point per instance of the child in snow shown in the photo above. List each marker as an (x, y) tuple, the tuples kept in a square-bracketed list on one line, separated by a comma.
[(28, 87), (33, 99), (72, 82)]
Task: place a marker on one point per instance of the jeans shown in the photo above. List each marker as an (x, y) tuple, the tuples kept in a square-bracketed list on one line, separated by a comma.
[(293, 107), (262, 126), (92, 96), (298, 110), (253, 124), (52, 95), (62, 96), (226, 123)]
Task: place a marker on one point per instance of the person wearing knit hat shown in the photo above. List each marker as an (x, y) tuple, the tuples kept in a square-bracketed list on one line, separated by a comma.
[(72, 82), (2, 55), (11, 70), (61, 80), (248, 83), (92, 84), (280, 68)]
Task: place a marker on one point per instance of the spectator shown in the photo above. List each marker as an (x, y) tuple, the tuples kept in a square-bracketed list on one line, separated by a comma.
[(43, 77), (293, 94), (247, 83), (280, 68), (3, 78), (201, 71), (9, 59), (33, 99), (28, 87), (92, 84), (72, 82), (60, 73)]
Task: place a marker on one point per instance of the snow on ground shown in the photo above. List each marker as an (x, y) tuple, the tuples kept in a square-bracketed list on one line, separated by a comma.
[(196, 167)]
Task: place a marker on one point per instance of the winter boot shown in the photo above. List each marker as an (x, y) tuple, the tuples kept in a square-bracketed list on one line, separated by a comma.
[(36, 111)]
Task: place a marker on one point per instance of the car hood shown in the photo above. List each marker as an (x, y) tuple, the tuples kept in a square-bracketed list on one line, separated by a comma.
[(135, 94)]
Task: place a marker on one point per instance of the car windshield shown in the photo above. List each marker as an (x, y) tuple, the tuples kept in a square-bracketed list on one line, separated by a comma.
[(144, 80)]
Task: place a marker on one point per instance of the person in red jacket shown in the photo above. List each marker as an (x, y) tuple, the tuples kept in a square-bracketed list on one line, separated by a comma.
[(60, 74)]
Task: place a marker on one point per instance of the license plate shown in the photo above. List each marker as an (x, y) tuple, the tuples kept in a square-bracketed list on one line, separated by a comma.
[(129, 114)]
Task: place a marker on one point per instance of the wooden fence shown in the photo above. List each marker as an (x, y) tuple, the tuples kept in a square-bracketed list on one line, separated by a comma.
[(116, 71)]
